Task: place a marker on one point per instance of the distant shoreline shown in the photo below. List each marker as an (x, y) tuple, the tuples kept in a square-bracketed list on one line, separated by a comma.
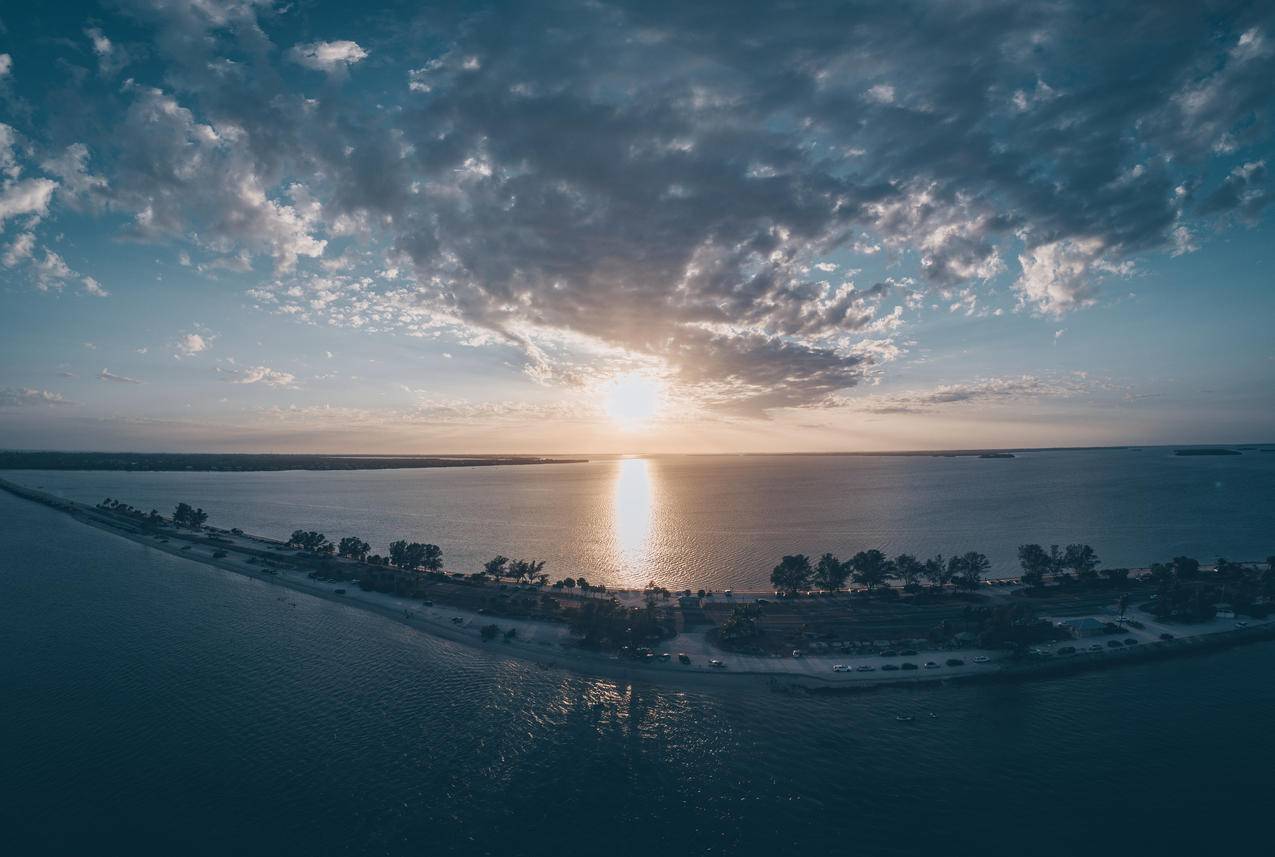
[(153, 462), (549, 645)]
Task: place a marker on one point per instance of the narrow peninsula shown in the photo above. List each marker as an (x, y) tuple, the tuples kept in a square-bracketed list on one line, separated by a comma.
[(828, 625)]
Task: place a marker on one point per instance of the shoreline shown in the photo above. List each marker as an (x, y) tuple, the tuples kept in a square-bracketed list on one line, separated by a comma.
[(550, 646)]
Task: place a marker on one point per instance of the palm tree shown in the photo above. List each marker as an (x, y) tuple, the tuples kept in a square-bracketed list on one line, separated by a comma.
[(496, 566)]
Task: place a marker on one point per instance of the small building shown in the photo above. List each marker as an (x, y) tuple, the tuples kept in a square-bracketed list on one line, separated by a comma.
[(1085, 626)]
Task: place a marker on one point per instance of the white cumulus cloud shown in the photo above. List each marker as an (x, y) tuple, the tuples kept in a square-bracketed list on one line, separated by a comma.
[(328, 56)]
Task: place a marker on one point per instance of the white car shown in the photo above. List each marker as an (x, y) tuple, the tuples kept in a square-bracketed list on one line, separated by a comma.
[(982, 659), (839, 668), (796, 653)]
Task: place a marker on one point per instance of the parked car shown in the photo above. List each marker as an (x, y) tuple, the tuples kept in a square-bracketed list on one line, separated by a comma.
[(1113, 644), (931, 665), (1095, 648), (908, 665), (890, 667), (955, 662), (1067, 650), (865, 668), (683, 658), (1166, 636), (908, 653), (716, 663), (796, 653), (1130, 641), (982, 659)]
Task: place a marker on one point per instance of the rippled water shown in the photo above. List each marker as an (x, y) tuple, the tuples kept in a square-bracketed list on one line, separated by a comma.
[(725, 521), (155, 706)]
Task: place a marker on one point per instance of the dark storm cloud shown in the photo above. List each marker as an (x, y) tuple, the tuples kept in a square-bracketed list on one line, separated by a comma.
[(660, 176)]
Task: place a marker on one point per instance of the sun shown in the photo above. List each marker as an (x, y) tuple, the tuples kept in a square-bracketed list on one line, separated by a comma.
[(632, 401)]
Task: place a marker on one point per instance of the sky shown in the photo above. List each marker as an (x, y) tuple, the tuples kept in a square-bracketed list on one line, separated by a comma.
[(587, 227)]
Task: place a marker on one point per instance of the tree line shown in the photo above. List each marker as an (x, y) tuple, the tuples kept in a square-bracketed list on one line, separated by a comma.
[(1079, 559), (872, 568)]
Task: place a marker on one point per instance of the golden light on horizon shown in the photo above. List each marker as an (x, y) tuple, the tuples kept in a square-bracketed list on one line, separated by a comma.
[(632, 401)]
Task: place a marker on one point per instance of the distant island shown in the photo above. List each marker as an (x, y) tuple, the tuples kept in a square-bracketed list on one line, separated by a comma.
[(240, 462), (1209, 451), (997, 455)]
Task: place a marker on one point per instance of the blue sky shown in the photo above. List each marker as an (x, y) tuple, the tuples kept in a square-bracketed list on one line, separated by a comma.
[(605, 227)]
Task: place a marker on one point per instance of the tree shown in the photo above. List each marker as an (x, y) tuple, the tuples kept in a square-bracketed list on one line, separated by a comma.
[(909, 569), (1036, 564), (431, 558), (871, 568), (741, 624), (415, 556), (792, 573), (1082, 560), (354, 548), (967, 569), (310, 541), (936, 570), (1161, 573), (521, 569), (1056, 562), (1186, 568), (185, 516), (1116, 576), (398, 553), (830, 573), (496, 567)]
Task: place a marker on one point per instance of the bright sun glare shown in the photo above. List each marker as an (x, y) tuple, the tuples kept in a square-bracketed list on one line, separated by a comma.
[(632, 401)]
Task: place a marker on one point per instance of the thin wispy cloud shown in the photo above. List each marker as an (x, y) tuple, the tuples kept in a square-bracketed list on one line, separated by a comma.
[(108, 375)]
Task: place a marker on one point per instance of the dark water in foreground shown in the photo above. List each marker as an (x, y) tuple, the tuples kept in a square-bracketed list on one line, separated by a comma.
[(154, 706)]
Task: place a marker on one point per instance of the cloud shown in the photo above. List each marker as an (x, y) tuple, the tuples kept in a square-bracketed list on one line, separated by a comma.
[(258, 375), (984, 391), (77, 183), (1064, 275), (28, 196), (51, 271), (94, 288), (25, 396), (328, 56), (190, 344), (20, 250), (111, 58), (6, 65), (107, 375), (647, 182), (1243, 192)]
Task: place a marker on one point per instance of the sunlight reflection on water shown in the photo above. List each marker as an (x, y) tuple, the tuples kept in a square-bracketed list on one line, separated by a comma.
[(631, 520)]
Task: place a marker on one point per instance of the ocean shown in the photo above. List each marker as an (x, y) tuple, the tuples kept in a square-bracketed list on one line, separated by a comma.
[(717, 522), (156, 706)]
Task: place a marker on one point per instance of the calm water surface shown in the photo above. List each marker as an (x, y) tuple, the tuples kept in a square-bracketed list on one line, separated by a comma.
[(155, 706), (725, 521)]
